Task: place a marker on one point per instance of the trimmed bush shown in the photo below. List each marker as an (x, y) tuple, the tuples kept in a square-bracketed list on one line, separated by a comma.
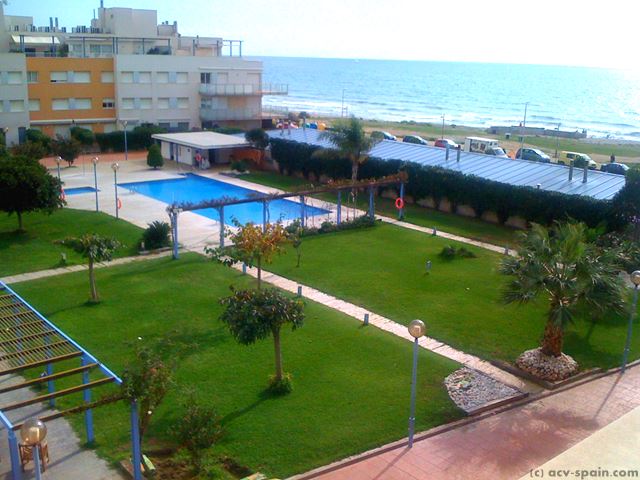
[(154, 157), (156, 235)]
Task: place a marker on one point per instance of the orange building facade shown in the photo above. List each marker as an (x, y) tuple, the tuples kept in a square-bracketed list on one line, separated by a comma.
[(64, 92)]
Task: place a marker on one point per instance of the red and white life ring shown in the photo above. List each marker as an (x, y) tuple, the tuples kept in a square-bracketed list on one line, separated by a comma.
[(119, 204), (63, 196), (399, 203)]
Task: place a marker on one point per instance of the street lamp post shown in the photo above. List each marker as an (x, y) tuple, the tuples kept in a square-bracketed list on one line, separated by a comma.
[(115, 167), (416, 329), (126, 149), (58, 161), (557, 140), (635, 279), (524, 126), (94, 160), (442, 133)]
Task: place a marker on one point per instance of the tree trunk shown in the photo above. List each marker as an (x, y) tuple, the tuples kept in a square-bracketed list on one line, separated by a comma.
[(92, 283), (19, 214), (552, 340), (354, 171), (259, 272), (278, 352)]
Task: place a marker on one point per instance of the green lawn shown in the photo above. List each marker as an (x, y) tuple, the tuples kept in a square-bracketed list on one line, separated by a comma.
[(351, 383), (34, 249), (383, 269), (426, 217)]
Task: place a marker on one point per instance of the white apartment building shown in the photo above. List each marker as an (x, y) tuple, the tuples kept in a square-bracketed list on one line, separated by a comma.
[(14, 99)]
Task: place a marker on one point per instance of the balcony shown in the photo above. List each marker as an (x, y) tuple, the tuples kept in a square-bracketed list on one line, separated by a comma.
[(220, 114), (242, 89)]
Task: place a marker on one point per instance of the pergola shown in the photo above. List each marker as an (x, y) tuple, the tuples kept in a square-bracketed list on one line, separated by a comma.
[(28, 340), (337, 187)]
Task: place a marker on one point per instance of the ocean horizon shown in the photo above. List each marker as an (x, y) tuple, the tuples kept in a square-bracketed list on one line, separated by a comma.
[(605, 102)]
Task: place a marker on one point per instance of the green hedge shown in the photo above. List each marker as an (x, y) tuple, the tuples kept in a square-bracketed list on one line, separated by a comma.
[(533, 205), (137, 139)]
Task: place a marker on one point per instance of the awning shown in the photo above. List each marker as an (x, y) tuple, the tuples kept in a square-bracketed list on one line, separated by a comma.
[(202, 140), (36, 39)]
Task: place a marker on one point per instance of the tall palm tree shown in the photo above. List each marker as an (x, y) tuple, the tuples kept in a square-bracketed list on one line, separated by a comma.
[(571, 272), (351, 141)]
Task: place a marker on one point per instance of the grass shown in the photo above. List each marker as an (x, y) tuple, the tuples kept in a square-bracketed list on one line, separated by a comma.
[(383, 269), (34, 249), (351, 383), (426, 217)]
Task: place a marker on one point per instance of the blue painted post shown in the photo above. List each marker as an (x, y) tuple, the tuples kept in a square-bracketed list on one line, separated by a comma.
[(401, 211), (95, 182), (36, 461), (86, 395), (264, 216), (371, 204), (135, 442), (302, 212), (339, 211), (49, 370), (299, 291), (222, 226), (244, 268), (366, 319), (446, 157), (174, 221), (16, 466)]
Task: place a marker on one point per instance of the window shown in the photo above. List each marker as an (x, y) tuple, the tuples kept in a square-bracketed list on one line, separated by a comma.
[(14, 78), (163, 103), (205, 78), (57, 77), (60, 104), (106, 77), (127, 103), (162, 77), (32, 77), (183, 102), (83, 104), (182, 77), (126, 77), (144, 77), (97, 50), (108, 103), (145, 104), (165, 125), (34, 105), (16, 106), (110, 127), (183, 126), (81, 77), (61, 130)]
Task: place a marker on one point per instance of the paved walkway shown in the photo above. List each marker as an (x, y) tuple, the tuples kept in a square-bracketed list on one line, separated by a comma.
[(25, 277), (509, 444), (397, 329)]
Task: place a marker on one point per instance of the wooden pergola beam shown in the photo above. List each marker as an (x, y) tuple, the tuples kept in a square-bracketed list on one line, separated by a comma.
[(59, 393), (47, 378), (25, 337), (17, 327), (21, 353), (13, 315), (38, 363)]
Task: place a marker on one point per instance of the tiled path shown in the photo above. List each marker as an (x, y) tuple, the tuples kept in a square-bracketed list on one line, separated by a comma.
[(397, 329), (509, 444)]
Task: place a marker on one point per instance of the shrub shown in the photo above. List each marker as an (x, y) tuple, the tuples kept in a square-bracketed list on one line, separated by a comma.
[(84, 136), (450, 253), (240, 165), (36, 136), (32, 150), (66, 148), (154, 157), (156, 235), (282, 386), (198, 429)]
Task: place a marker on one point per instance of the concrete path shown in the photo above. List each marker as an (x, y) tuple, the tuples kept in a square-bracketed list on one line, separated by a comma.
[(510, 444), (68, 460), (25, 277), (397, 329)]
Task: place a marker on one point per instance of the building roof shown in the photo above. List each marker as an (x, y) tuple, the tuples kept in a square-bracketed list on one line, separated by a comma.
[(550, 176), (202, 140)]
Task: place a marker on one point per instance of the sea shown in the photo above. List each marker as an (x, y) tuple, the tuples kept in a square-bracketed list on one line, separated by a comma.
[(604, 102)]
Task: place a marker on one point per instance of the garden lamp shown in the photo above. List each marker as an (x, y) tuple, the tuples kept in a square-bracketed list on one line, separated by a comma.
[(115, 168), (95, 160), (635, 280), (416, 329)]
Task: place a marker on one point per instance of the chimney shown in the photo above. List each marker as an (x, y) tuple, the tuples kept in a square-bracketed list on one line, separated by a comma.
[(447, 153), (101, 3), (458, 154), (586, 172), (571, 171), (51, 22), (56, 22)]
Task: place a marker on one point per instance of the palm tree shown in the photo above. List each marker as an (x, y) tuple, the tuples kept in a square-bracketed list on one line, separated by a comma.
[(572, 273), (350, 140)]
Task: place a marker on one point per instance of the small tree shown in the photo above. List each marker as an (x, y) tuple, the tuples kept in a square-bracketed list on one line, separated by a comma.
[(252, 246), (66, 148), (148, 379), (258, 139), (84, 136), (95, 249), (26, 186), (198, 429), (31, 150), (253, 315), (154, 157)]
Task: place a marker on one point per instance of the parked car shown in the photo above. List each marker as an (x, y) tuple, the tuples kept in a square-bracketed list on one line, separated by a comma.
[(579, 160), (496, 151), (415, 139), (479, 144), (443, 142), (533, 154), (617, 168), (379, 134)]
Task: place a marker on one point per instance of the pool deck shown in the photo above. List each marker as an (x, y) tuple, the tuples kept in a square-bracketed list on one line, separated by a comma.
[(194, 231)]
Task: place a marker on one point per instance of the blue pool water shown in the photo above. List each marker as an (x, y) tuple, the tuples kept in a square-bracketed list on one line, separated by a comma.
[(78, 190), (194, 188)]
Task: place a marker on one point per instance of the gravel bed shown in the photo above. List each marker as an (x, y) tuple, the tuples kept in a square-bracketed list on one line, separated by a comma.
[(470, 389)]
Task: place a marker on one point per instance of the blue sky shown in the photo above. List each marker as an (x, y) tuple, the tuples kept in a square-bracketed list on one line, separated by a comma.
[(565, 32)]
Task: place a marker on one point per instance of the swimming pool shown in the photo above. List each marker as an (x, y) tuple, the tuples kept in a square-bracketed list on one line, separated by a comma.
[(194, 188), (78, 190)]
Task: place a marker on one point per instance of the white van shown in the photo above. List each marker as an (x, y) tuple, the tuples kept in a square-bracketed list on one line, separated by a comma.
[(479, 144)]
